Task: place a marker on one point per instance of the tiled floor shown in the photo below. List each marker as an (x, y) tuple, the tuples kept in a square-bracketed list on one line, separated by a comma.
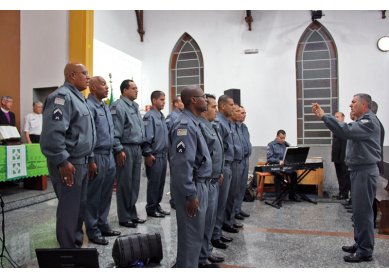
[(297, 235)]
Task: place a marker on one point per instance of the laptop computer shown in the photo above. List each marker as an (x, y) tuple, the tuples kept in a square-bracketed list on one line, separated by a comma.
[(67, 258), (295, 155)]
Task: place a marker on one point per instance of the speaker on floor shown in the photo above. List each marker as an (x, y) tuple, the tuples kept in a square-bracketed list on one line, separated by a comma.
[(67, 258), (127, 250), (234, 93)]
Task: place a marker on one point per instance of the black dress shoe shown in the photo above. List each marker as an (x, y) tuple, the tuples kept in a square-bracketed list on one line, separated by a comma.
[(350, 249), (350, 211), (99, 240), (215, 259), (166, 213), (226, 239), (219, 244), (138, 220), (348, 207), (110, 233), (355, 258), (237, 225), (244, 214), (208, 265), (341, 197), (129, 224), (229, 229), (239, 216), (156, 215)]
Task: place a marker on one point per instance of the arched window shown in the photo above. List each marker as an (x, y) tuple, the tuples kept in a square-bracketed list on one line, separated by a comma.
[(317, 81), (186, 65)]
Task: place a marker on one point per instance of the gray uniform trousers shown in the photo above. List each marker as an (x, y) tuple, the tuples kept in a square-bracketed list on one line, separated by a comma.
[(128, 182), (190, 230), (364, 184), (236, 169), (100, 195), (155, 182), (222, 201), (242, 186), (210, 220), (71, 205)]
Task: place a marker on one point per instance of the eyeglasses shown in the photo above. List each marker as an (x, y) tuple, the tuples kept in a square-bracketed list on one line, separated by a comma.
[(202, 96)]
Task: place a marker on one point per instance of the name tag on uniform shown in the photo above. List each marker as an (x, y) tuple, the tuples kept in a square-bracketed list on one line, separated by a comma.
[(60, 101), (182, 132), (364, 121)]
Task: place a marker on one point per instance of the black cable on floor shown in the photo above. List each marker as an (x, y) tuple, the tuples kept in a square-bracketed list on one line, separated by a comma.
[(2, 240)]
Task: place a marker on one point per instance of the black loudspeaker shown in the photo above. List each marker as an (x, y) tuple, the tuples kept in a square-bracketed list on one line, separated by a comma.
[(128, 249), (67, 258), (234, 93)]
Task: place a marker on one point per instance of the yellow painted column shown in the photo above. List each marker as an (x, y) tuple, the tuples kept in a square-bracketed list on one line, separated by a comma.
[(81, 39)]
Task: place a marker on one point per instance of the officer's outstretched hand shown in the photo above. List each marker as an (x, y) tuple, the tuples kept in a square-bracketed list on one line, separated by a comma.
[(317, 110), (67, 173), (192, 206), (120, 159), (221, 179)]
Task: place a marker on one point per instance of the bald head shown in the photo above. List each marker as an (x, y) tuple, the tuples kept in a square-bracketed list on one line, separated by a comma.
[(188, 92), (76, 74), (98, 87), (194, 99)]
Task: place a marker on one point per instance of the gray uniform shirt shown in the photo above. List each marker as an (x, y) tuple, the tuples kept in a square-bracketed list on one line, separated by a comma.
[(188, 154), (225, 133), (128, 124), (363, 138), (157, 140), (172, 117), (215, 146), (104, 124), (68, 128), (246, 141), (238, 146), (275, 151)]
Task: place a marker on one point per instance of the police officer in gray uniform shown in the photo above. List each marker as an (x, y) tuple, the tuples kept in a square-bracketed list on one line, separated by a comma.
[(102, 170), (192, 168), (247, 149), (67, 140), (170, 119), (225, 108), (129, 135), (362, 154), (155, 151), (214, 142), (229, 224)]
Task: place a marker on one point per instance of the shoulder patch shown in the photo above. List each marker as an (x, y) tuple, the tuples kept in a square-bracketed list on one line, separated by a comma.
[(182, 132), (180, 148), (59, 101), (57, 115)]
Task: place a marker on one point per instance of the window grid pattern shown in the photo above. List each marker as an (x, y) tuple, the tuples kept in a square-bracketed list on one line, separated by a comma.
[(186, 65), (317, 81)]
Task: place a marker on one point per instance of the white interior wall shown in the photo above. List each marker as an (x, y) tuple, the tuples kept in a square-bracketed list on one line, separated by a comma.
[(266, 80), (44, 51)]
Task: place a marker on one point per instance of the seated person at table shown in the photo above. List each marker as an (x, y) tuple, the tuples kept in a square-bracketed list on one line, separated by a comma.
[(275, 154)]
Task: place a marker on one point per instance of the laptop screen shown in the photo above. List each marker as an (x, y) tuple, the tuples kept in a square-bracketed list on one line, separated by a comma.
[(295, 155), (63, 258)]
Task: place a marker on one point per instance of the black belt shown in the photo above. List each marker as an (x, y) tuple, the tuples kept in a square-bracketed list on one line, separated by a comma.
[(79, 161), (163, 154), (104, 152)]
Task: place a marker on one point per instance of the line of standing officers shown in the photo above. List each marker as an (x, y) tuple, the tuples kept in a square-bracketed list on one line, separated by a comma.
[(87, 144)]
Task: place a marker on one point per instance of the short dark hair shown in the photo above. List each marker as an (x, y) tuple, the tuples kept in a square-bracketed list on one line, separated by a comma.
[(187, 93), (281, 131), (364, 97), (156, 94), (223, 99), (207, 95), (124, 85), (374, 107), (176, 99)]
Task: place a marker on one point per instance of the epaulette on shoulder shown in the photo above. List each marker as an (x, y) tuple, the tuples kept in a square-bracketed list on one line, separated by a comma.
[(147, 116), (184, 121)]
